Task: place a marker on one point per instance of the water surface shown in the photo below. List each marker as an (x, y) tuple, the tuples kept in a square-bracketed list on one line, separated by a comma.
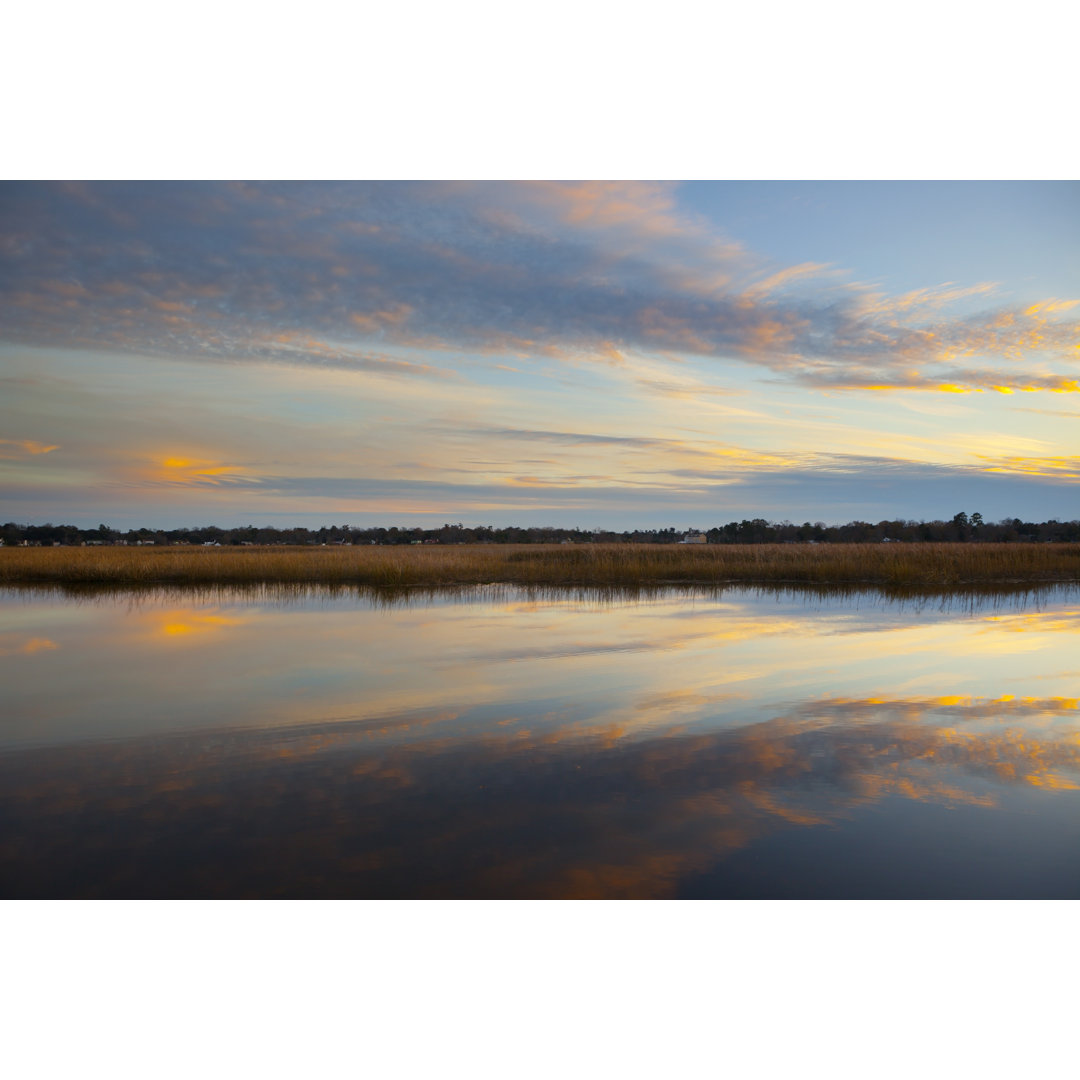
[(501, 743)]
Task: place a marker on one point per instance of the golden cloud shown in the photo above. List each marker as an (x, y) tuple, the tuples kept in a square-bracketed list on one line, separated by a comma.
[(194, 472), (25, 446)]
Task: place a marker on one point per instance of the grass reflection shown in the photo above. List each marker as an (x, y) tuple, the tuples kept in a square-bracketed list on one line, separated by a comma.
[(959, 599)]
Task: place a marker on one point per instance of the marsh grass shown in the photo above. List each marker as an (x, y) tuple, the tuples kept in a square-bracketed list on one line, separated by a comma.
[(608, 565)]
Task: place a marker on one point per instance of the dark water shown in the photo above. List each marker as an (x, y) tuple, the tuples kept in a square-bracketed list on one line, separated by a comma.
[(496, 743)]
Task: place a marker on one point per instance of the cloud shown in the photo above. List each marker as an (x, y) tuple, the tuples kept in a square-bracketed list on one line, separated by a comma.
[(930, 298), (187, 624), (1053, 468), (1053, 412), (579, 438), (491, 474), (17, 448), (13, 644), (782, 278), (948, 381), (350, 274), (187, 472), (739, 484), (514, 812)]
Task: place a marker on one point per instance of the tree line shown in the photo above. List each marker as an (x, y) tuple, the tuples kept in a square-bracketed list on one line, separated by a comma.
[(962, 528)]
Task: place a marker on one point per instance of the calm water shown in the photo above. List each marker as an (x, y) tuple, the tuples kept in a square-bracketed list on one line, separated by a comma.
[(496, 743)]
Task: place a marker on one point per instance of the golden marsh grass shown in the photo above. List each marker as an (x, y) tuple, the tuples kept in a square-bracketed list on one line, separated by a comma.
[(896, 565)]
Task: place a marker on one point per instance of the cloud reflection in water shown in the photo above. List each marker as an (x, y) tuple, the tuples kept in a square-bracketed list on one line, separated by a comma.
[(697, 747)]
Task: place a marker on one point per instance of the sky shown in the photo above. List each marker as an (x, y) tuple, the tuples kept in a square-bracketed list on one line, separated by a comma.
[(591, 354)]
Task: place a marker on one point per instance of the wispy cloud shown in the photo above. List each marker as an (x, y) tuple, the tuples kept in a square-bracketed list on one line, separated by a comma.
[(16, 448), (188, 472), (781, 278), (1054, 468)]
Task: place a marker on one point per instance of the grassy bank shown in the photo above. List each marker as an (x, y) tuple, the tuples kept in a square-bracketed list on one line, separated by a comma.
[(896, 565)]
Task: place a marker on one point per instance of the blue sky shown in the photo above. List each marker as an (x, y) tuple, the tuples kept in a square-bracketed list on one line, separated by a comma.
[(586, 353), (903, 234)]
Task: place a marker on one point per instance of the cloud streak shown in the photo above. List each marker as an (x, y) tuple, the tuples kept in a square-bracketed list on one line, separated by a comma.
[(18, 448)]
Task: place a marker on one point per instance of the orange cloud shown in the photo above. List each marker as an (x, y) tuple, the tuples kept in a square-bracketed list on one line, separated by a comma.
[(921, 300), (190, 622), (976, 384), (1049, 307), (378, 320), (1057, 468), (190, 472), (13, 645), (27, 446), (647, 206)]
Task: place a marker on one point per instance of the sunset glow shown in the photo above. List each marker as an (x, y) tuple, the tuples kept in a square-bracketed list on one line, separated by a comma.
[(578, 354)]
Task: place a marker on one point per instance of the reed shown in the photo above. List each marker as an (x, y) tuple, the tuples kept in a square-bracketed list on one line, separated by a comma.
[(895, 565)]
